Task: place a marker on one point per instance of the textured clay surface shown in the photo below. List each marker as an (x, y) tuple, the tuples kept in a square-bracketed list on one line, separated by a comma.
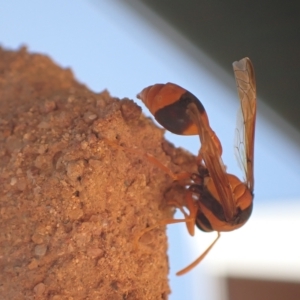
[(70, 202)]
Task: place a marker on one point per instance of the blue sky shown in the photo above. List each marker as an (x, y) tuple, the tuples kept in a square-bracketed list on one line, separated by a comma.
[(108, 46)]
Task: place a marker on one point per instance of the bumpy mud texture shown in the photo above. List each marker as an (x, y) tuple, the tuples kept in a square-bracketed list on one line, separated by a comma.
[(71, 204)]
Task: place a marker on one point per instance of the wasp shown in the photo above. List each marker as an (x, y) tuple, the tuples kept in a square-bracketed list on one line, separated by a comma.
[(216, 200)]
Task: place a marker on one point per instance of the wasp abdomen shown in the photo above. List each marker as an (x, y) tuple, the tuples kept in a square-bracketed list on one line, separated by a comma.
[(168, 103)]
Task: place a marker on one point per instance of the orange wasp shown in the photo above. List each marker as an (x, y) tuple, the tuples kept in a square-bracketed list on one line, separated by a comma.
[(216, 200)]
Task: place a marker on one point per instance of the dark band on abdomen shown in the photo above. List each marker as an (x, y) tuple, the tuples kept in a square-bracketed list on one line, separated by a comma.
[(174, 117)]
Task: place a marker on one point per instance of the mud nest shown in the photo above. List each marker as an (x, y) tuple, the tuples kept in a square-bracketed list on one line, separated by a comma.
[(71, 204)]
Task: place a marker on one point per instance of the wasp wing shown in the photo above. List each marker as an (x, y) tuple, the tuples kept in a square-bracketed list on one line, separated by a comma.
[(245, 131), (211, 155)]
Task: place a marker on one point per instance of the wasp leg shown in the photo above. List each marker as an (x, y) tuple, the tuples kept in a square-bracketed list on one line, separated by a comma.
[(160, 223), (189, 219), (179, 206), (176, 177), (199, 259), (192, 208)]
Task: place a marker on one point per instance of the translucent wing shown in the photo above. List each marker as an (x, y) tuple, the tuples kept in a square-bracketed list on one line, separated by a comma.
[(245, 131), (239, 144), (211, 155)]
